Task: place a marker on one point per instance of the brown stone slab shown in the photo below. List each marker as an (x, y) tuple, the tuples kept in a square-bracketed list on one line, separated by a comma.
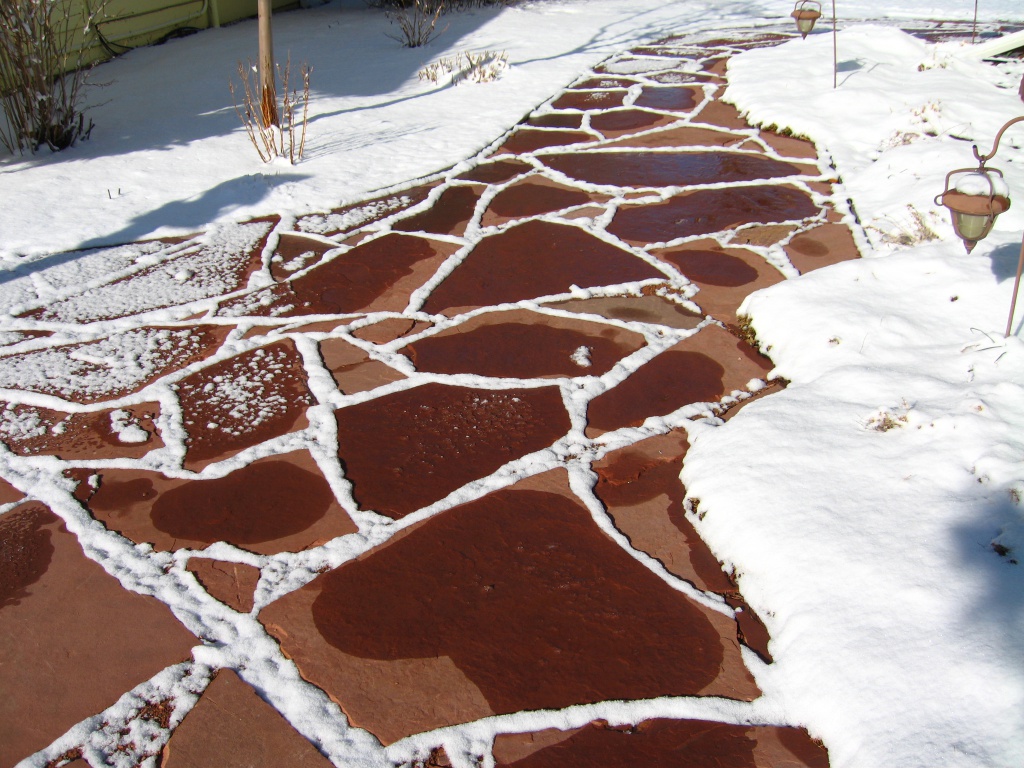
[(644, 309), (352, 369), (28, 430), (664, 169), (295, 252), (8, 493), (572, 120), (588, 100), (822, 246), (640, 488), (409, 449), (716, 66), (722, 114), (605, 82), (524, 344), (449, 214), (701, 368), (242, 401), (676, 743), (94, 371), (676, 77), (534, 259), (669, 98), (389, 329), (277, 504), (72, 640), (711, 210), (232, 727), (519, 579), (788, 146), (725, 276), (622, 122), (375, 276), (526, 140), (682, 137), (531, 197), (762, 236), (234, 584), (352, 217), (499, 171)]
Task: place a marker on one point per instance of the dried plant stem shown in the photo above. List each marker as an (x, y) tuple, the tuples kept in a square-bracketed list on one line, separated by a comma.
[(270, 141)]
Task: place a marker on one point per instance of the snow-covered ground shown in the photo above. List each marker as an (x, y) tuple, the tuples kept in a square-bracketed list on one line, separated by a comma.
[(877, 491)]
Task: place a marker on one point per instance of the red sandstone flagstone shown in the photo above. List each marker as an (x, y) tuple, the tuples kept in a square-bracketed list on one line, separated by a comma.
[(519, 580), (701, 368), (29, 430), (498, 171), (409, 449), (295, 252), (8, 493), (605, 82), (352, 369), (682, 137), (243, 401), (531, 197), (448, 216), (821, 247), (644, 309), (277, 504), (710, 210), (662, 169), (788, 146), (72, 640), (588, 100), (622, 122), (524, 344), (761, 235), (534, 259), (352, 217), (234, 584), (723, 115), (529, 140), (676, 743), (572, 120), (232, 727), (389, 329), (669, 98)]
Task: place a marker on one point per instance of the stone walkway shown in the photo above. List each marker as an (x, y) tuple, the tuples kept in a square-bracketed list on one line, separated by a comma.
[(405, 475)]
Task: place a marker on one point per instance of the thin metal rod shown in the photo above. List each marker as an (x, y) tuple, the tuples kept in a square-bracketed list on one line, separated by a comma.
[(995, 144), (974, 29), (835, 50), (1016, 285)]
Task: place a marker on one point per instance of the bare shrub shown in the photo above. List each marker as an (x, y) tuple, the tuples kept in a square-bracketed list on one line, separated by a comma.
[(41, 76), (482, 67), (288, 139), (416, 22)]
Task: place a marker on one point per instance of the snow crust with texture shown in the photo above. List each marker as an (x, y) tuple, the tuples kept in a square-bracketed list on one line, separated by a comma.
[(877, 520)]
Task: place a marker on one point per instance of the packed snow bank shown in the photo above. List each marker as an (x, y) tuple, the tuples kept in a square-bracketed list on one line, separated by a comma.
[(876, 519)]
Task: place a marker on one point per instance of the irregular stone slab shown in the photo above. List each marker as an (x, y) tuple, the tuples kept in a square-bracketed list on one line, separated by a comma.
[(112, 367), (605, 82), (640, 488), (643, 309), (409, 449), (572, 120), (762, 236), (531, 197), (711, 210), (725, 276), (295, 252), (8, 493), (588, 100), (243, 401), (701, 368), (789, 146), (499, 171), (389, 329), (232, 727), (353, 217), (723, 115), (669, 98), (277, 504), (352, 369), (626, 121), (234, 584), (534, 259), (666, 169), (674, 77), (821, 247), (447, 216), (128, 432), (526, 572), (524, 344), (220, 264), (682, 137), (72, 639), (526, 140), (674, 743)]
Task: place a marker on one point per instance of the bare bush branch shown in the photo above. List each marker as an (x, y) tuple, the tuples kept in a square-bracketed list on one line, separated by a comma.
[(270, 141)]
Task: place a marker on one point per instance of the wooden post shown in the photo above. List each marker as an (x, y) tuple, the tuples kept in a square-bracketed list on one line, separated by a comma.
[(268, 88)]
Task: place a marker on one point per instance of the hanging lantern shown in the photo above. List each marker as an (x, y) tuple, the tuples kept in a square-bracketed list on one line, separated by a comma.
[(806, 12), (974, 202)]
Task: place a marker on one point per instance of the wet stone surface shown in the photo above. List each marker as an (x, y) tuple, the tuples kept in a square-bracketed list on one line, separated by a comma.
[(393, 356)]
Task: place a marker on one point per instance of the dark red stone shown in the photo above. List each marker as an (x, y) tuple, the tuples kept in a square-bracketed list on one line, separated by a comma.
[(71, 436), (498, 171), (587, 100), (522, 580), (620, 121), (352, 217), (605, 82), (711, 210), (526, 345), (295, 252), (535, 259), (249, 398), (410, 449), (571, 120), (530, 198), (714, 267), (664, 169), (529, 140), (26, 551), (447, 216), (668, 98)]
